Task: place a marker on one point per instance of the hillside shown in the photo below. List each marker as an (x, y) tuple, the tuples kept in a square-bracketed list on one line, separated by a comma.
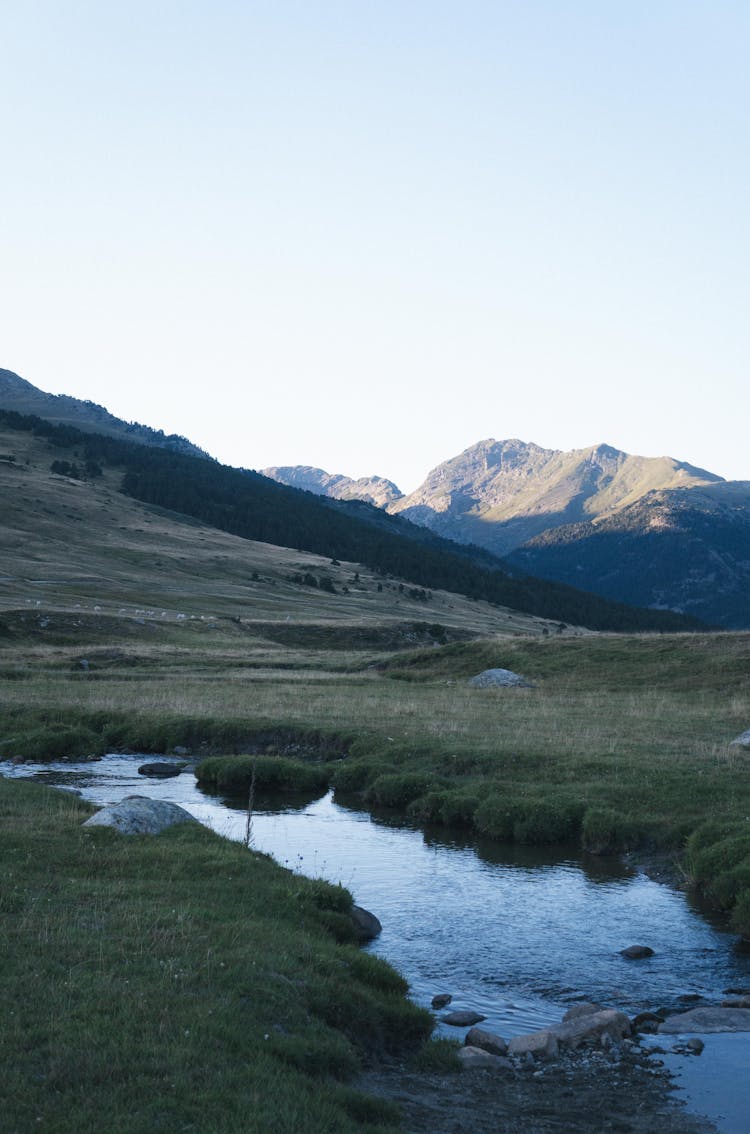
[(255, 508), (653, 532), (687, 549), (20, 396)]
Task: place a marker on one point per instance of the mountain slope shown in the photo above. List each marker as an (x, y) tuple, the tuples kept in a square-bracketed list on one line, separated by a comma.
[(499, 494), (683, 549), (256, 508), (20, 396)]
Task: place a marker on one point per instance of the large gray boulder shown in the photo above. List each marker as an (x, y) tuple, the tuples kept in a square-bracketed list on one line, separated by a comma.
[(707, 1020), (743, 740), (136, 815), (498, 679)]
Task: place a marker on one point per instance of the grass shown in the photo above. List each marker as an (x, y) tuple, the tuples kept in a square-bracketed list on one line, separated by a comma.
[(622, 743), (180, 983)]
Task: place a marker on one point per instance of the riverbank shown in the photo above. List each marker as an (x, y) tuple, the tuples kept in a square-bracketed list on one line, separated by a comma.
[(185, 981), (181, 982), (571, 1097)]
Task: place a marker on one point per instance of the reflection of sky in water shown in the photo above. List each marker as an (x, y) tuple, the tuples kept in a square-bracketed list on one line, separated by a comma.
[(506, 931)]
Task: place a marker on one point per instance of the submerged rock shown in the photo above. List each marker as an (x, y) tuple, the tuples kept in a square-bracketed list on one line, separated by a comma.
[(136, 815), (636, 952), (463, 1019), (707, 1020), (585, 1008), (441, 1000), (161, 770), (498, 678)]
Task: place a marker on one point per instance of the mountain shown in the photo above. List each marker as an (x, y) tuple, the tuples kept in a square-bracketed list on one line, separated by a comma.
[(500, 494), (685, 549), (651, 531), (373, 490), (21, 397), (253, 507)]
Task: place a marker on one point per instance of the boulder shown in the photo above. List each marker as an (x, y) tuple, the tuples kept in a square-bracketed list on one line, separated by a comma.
[(160, 770), (488, 1041), (707, 1020), (477, 1057), (607, 1023), (366, 925), (636, 952), (136, 815), (585, 1008), (498, 678), (441, 1000), (543, 1044), (647, 1022), (743, 740), (463, 1019)]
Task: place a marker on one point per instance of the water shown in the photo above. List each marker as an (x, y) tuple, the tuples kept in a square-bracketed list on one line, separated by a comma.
[(515, 934)]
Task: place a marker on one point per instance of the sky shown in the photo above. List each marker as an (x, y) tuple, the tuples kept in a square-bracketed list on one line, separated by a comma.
[(365, 235)]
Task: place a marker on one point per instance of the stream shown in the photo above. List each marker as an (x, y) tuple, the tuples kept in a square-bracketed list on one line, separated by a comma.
[(518, 934)]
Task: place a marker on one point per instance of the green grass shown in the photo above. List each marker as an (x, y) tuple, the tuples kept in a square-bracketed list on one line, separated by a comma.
[(180, 983), (621, 744)]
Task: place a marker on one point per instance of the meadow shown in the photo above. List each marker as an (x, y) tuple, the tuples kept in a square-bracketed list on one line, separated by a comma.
[(622, 743)]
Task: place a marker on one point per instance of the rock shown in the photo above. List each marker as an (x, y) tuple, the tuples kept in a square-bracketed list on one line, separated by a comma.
[(162, 771), (647, 1022), (477, 1057), (695, 1045), (441, 1000), (609, 1022), (463, 1019), (543, 1043), (636, 952), (488, 1041), (136, 815), (180, 750), (737, 1002), (708, 1020), (743, 740), (585, 1008), (498, 678), (366, 925)]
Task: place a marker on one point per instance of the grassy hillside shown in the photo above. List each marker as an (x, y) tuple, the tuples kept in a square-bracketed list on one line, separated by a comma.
[(253, 507)]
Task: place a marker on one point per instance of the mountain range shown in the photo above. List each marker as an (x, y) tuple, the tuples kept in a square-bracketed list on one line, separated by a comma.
[(651, 531), (496, 521), (145, 466)]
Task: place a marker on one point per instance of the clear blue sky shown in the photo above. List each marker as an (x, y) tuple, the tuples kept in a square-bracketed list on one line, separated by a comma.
[(364, 235)]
